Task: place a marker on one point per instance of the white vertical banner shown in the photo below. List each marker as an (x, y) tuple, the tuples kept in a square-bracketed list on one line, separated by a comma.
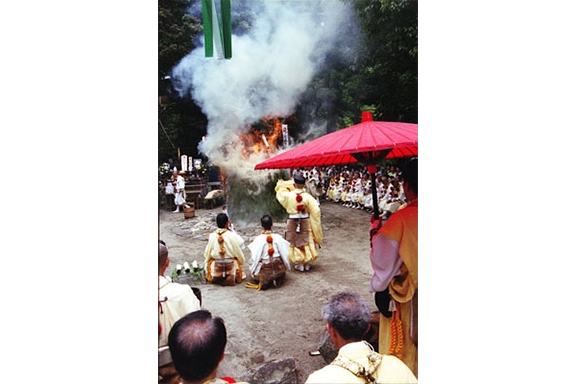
[(184, 162), (285, 135)]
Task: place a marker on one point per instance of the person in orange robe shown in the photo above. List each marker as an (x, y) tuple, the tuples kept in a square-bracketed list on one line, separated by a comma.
[(394, 259)]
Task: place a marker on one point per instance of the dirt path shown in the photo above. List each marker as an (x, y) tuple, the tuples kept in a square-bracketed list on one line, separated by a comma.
[(284, 322)]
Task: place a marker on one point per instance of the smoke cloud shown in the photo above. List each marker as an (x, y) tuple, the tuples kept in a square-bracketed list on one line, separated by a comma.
[(270, 68)]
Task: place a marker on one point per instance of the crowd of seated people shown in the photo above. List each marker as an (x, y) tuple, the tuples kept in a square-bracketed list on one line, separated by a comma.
[(352, 187)]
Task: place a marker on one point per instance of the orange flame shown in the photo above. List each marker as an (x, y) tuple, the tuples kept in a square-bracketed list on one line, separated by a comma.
[(263, 138)]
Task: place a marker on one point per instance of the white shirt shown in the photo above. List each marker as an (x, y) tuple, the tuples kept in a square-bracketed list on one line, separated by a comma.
[(259, 251)]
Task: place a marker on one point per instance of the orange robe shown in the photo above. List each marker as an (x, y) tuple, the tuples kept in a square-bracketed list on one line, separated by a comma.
[(402, 227)]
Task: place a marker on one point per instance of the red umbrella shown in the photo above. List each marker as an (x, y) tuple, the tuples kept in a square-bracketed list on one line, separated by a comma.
[(368, 143)]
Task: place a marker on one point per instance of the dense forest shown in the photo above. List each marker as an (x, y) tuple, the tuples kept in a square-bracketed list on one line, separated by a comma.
[(373, 65)]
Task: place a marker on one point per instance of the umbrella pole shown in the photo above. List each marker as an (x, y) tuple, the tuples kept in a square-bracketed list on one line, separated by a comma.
[(372, 171)]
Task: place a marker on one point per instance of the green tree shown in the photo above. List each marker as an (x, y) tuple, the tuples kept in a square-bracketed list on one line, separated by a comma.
[(375, 70), (390, 59), (176, 31), (181, 124)]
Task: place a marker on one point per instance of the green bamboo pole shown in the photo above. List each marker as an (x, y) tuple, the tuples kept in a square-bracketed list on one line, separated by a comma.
[(208, 32), (226, 9)]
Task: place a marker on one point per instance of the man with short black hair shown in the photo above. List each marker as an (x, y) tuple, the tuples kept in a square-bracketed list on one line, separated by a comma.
[(197, 343), (269, 255), (223, 255)]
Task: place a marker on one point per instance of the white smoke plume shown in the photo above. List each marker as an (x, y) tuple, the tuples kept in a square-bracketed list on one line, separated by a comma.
[(270, 68)]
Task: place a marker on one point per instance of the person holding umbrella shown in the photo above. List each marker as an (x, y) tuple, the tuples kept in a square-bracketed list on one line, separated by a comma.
[(303, 228), (394, 259)]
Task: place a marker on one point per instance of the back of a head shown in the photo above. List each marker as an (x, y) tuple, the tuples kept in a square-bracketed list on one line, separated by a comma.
[(299, 178), (221, 220), (410, 174), (349, 314), (266, 222), (162, 253), (197, 343)]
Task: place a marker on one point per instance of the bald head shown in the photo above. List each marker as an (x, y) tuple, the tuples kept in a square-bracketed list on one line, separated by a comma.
[(197, 342)]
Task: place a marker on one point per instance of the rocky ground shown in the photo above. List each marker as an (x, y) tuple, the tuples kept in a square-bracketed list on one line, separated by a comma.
[(277, 323)]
